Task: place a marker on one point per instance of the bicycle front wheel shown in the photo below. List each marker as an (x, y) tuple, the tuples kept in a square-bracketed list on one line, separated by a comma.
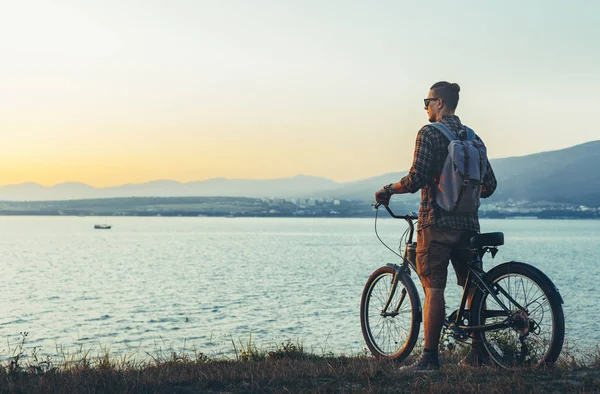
[(532, 331), (390, 333)]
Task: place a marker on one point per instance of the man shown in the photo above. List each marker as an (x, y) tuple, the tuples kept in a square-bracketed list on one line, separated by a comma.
[(441, 235)]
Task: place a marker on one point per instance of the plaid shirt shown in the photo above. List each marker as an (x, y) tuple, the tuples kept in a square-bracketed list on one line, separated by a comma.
[(430, 154)]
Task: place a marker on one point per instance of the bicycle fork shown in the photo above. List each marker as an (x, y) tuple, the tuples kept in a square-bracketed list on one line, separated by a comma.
[(395, 280)]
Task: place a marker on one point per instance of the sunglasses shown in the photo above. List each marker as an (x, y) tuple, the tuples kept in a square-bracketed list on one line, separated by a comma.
[(428, 100)]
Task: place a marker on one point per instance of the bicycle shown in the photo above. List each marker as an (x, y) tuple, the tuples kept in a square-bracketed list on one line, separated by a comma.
[(516, 311)]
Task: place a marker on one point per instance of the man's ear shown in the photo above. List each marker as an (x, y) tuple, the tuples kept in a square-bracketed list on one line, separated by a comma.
[(441, 104)]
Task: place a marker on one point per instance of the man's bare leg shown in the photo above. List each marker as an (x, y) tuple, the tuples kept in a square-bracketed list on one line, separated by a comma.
[(433, 320), (434, 312)]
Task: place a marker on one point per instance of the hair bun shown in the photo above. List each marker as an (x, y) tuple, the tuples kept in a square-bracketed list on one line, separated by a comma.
[(454, 86)]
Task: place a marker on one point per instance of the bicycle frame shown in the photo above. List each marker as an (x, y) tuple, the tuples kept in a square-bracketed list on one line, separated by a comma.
[(475, 277)]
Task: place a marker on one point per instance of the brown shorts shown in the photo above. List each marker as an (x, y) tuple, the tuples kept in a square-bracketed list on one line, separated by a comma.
[(435, 247)]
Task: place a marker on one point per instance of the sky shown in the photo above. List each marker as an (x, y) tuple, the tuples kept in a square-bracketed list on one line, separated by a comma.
[(114, 92)]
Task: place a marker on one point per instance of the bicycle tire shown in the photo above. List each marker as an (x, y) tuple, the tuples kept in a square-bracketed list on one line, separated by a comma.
[(536, 332), (384, 339)]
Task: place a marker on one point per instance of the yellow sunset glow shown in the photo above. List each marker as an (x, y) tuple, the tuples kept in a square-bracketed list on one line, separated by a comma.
[(115, 93)]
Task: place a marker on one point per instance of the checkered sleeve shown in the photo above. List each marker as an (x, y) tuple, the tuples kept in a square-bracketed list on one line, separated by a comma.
[(489, 179), (423, 159), (489, 182)]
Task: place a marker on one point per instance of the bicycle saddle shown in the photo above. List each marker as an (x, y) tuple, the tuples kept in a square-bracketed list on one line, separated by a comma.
[(487, 239)]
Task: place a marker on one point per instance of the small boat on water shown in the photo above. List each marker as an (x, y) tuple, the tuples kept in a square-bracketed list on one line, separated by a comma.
[(102, 226)]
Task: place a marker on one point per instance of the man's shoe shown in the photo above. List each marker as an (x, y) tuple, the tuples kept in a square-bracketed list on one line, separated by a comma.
[(475, 358), (425, 363)]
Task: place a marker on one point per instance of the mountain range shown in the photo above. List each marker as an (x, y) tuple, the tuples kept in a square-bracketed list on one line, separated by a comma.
[(568, 175)]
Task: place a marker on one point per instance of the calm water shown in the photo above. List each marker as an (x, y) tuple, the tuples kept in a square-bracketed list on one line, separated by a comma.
[(153, 284)]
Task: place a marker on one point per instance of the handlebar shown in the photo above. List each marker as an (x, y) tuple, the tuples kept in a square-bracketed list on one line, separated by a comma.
[(409, 219), (410, 216)]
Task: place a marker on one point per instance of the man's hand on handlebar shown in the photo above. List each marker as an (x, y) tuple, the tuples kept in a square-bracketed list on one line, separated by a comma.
[(382, 197)]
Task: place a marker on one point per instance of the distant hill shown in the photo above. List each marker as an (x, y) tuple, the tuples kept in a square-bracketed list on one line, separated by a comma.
[(568, 175), (280, 188)]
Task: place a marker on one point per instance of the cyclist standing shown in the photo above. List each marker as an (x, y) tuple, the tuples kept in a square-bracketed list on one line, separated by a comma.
[(441, 235)]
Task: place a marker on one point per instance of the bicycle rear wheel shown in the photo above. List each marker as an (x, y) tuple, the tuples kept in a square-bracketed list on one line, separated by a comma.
[(390, 334), (534, 328)]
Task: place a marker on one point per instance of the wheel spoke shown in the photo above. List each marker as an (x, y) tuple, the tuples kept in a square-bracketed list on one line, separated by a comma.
[(539, 306)]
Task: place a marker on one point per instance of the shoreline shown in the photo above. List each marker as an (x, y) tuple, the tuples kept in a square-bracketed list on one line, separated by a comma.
[(195, 215), (233, 207)]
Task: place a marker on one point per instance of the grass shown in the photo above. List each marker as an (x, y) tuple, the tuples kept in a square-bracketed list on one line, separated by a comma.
[(284, 368)]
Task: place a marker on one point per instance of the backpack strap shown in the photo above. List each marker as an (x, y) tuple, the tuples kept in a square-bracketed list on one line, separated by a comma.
[(467, 175), (442, 128), (477, 145), (470, 133)]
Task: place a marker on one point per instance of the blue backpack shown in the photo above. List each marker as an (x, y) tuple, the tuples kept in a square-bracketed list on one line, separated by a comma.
[(461, 180)]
